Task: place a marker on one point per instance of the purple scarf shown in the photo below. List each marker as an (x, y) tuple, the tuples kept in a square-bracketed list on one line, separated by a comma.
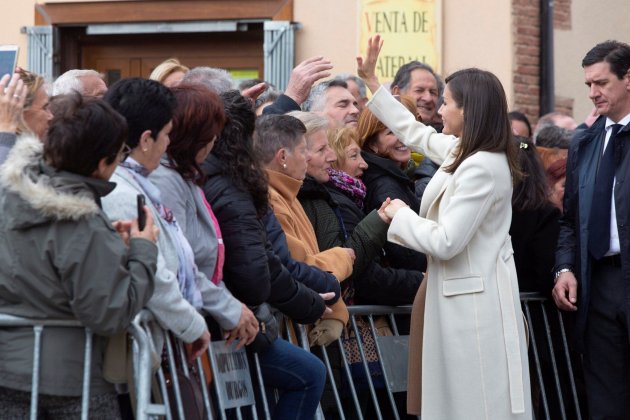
[(351, 186)]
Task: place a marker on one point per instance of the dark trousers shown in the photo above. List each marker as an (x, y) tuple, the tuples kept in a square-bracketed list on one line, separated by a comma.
[(607, 347)]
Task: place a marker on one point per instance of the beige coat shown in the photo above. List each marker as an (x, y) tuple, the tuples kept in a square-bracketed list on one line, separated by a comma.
[(468, 331)]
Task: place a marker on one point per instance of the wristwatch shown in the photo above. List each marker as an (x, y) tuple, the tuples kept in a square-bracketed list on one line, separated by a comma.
[(562, 270)]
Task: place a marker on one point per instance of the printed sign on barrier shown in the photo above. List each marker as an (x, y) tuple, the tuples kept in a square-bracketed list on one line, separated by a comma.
[(232, 375)]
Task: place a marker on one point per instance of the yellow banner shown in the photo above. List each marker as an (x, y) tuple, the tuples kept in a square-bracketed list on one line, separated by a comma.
[(409, 28)]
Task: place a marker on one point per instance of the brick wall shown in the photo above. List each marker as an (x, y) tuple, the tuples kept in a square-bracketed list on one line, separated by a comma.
[(526, 78), (562, 14)]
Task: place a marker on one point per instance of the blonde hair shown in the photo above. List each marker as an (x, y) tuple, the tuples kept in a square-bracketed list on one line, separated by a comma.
[(338, 140), (33, 83), (166, 68), (312, 121), (369, 126)]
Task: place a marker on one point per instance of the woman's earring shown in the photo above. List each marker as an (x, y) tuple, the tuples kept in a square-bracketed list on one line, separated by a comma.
[(284, 166)]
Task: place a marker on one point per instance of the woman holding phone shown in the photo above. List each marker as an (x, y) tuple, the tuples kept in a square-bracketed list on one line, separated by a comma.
[(181, 289), (467, 352), (61, 258)]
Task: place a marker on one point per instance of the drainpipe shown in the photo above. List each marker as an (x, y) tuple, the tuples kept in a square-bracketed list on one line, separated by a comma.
[(547, 88)]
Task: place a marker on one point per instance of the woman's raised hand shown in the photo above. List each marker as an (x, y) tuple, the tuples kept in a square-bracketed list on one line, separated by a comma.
[(12, 97), (366, 67)]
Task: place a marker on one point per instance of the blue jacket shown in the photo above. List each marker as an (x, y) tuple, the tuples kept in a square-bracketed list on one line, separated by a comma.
[(252, 271), (311, 276), (584, 155)]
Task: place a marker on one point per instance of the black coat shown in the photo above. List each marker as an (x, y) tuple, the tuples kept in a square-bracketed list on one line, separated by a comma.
[(324, 214), (252, 271), (534, 238), (282, 105), (377, 285), (585, 152), (384, 178)]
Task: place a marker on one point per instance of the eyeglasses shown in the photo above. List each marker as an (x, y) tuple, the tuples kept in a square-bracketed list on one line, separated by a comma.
[(124, 153)]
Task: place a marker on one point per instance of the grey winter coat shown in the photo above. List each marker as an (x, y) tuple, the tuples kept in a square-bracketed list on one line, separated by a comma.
[(169, 307), (185, 201), (60, 258)]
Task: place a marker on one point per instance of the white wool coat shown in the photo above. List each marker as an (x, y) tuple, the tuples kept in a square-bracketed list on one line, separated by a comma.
[(468, 353)]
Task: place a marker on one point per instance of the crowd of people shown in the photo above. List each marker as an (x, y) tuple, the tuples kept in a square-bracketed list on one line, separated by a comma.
[(303, 202)]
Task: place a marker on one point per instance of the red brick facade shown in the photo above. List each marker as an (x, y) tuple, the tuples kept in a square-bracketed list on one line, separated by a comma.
[(562, 14), (526, 78)]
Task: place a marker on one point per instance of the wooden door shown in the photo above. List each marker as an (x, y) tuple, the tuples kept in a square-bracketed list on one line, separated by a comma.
[(137, 55)]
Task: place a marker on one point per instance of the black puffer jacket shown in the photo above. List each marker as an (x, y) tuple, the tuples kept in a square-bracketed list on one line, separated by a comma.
[(383, 178), (377, 285), (252, 271), (323, 212)]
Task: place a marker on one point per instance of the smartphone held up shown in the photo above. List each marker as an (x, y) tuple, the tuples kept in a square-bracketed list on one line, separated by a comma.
[(8, 59), (142, 216)]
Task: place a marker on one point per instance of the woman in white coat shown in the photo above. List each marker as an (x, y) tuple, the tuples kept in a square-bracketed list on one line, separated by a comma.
[(468, 352)]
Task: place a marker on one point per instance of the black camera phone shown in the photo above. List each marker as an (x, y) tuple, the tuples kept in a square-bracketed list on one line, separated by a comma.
[(142, 217)]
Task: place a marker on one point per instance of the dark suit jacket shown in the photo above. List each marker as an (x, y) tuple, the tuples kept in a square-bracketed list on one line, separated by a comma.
[(584, 156)]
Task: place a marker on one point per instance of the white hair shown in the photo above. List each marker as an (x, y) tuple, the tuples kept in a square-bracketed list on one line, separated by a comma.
[(70, 81), (312, 121), (218, 80)]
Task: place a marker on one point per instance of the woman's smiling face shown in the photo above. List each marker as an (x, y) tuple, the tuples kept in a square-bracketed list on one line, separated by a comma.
[(387, 145), (353, 164)]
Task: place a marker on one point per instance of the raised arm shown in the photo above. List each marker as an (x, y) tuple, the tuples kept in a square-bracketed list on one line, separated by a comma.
[(395, 116)]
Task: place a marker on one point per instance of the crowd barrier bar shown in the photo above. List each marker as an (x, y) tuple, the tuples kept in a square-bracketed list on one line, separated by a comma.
[(38, 328), (544, 343)]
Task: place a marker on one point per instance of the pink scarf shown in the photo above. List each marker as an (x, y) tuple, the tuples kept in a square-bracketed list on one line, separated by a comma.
[(217, 276)]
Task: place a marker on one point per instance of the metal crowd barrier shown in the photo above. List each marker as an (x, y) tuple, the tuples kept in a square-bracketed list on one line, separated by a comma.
[(228, 384), (140, 351), (182, 390), (555, 370)]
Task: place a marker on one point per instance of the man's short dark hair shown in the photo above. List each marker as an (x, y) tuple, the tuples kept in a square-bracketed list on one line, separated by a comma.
[(403, 76), (615, 53), (274, 132), (311, 104), (145, 104)]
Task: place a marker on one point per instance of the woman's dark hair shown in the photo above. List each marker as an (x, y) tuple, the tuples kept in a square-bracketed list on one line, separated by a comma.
[(82, 132), (532, 191), (145, 104), (234, 148), (519, 116), (197, 119), (486, 124)]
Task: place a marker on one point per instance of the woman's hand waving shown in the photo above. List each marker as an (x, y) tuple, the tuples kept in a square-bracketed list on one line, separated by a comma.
[(366, 67)]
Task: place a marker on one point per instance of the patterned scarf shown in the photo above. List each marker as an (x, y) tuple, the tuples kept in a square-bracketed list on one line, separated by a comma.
[(187, 271), (351, 186)]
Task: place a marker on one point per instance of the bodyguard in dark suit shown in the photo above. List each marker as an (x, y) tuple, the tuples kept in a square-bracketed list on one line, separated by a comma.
[(593, 254)]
